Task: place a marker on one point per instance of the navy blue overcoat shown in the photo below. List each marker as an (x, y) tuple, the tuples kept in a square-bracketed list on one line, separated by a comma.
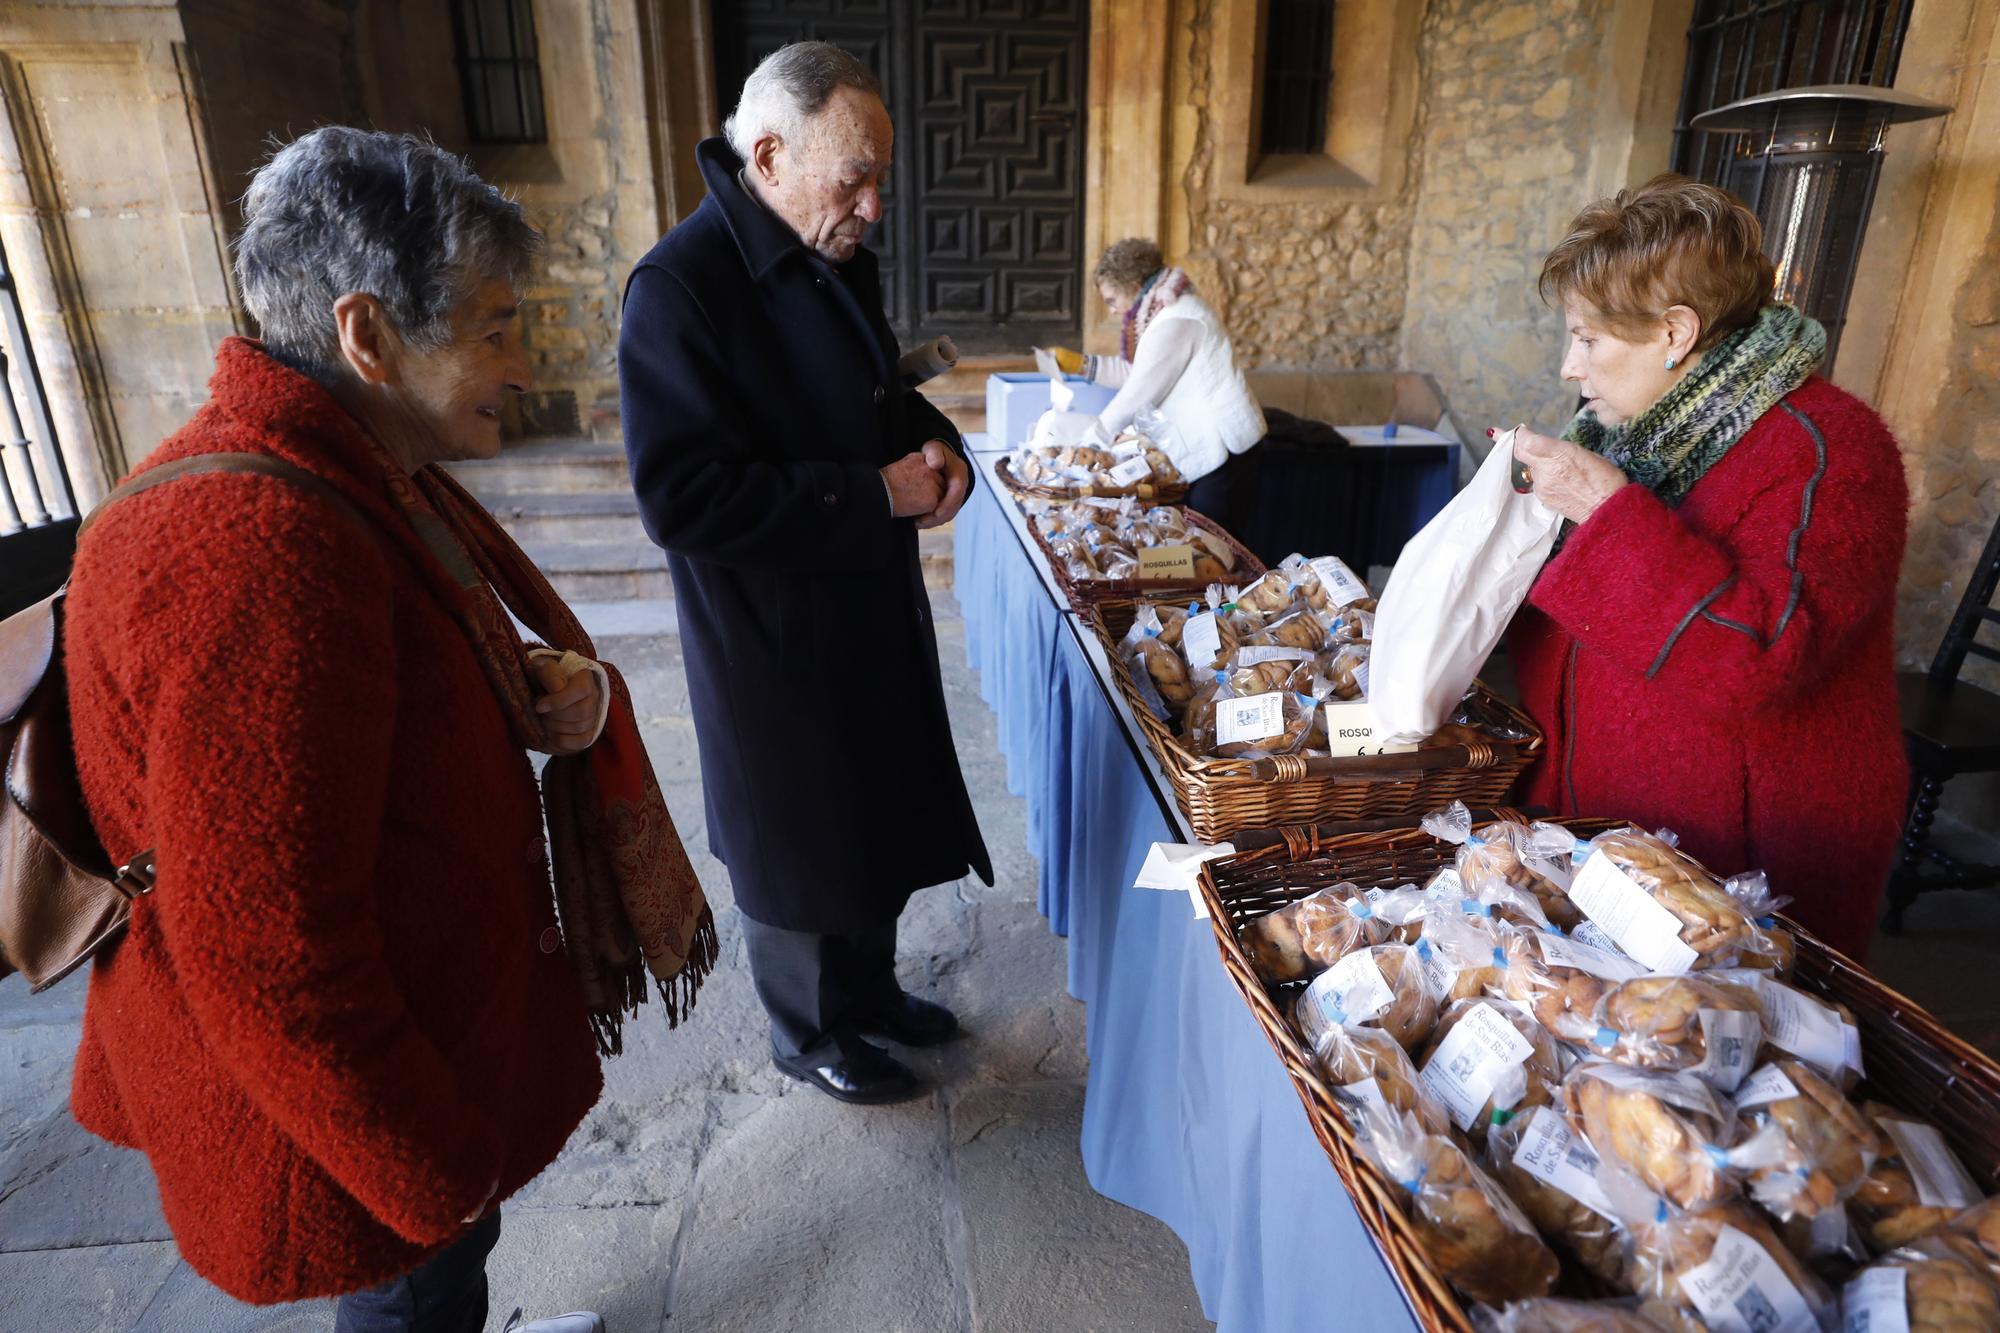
[(760, 401)]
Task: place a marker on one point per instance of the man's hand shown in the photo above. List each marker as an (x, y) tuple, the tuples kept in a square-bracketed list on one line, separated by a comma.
[(1570, 479), (568, 706), (915, 488), (948, 464)]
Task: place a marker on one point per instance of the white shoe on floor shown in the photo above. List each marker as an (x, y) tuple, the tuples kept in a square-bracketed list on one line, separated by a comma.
[(581, 1321)]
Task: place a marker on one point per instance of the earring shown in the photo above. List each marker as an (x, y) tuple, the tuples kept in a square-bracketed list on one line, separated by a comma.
[(1670, 363)]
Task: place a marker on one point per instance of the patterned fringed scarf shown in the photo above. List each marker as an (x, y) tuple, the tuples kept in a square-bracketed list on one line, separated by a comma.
[(1669, 447), (627, 898), (1155, 294)]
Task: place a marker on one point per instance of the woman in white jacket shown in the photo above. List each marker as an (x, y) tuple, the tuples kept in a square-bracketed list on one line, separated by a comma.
[(1175, 357)]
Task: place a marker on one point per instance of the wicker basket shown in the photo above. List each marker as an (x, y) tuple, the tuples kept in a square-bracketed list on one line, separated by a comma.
[(1912, 1061), (1080, 591), (1162, 492), (1220, 796)]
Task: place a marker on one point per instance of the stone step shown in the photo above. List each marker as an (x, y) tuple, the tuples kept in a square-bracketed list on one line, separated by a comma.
[(602, 571), (546, 466), (581, 516)]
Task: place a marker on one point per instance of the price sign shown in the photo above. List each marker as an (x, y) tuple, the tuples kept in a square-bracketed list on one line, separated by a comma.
[(1166, 562)]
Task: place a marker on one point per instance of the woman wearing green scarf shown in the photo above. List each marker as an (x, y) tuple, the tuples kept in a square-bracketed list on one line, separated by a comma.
[(1712, 647)]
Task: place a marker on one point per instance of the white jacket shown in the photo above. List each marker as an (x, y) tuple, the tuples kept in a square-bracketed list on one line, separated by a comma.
[(1184, 367)]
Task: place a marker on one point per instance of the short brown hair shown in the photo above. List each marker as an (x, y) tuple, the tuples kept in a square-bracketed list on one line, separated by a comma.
[(1673, 241), (1128, 263)]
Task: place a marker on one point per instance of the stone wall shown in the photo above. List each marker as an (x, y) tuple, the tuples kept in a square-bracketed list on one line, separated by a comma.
[(1506, 140), (1299, 284)]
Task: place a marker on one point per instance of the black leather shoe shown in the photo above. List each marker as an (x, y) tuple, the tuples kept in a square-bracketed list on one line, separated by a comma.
[(910, 1022), (865, 1075)]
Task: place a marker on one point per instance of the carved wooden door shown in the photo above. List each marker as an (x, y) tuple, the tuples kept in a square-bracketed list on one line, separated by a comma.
[(983, 218)]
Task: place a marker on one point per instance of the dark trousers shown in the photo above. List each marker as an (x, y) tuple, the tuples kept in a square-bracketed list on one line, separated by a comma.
[(1228, 494), (446, 1294), (819, 988)]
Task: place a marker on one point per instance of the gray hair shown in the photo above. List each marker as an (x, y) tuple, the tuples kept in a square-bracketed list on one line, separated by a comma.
[(788, 88), (1128, 263), (343, 210)]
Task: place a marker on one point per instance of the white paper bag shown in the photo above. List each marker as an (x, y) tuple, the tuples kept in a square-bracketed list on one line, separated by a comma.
[(1454, 589)]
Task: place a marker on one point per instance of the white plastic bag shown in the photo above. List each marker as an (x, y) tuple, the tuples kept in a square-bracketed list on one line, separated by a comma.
[(1454, 589)]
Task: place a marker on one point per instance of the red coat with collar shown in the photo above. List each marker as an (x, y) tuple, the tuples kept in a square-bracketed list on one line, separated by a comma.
[(336, 1022), (1726, 668)]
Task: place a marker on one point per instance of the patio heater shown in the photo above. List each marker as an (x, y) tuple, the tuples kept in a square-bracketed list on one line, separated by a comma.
[(1806, 160)]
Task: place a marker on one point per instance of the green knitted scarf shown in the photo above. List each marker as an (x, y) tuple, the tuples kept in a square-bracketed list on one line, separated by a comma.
[(1670, 446)]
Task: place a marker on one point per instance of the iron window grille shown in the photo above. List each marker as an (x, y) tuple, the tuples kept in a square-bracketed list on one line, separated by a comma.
[(1813, 204), (500, 71), (34, 482), (1297, 80)]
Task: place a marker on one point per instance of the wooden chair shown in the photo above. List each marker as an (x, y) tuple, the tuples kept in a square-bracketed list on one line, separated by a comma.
[(1950, 728)]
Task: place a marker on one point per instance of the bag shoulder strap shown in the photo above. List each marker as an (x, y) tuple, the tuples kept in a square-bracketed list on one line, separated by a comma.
[(265, 465)]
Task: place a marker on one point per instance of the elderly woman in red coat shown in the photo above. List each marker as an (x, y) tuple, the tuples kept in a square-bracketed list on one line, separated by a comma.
[(1711, 648), (351, 1016)]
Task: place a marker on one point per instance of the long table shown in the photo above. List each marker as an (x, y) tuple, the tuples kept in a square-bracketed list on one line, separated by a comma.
[(1187, 1116)]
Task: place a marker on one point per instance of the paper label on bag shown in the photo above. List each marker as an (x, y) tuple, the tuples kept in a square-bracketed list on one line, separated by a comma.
[(1131, 471), (1201, 641), (1877, 1301), (1100, 502), (1354, 986), (1260, 654), (1741, 1289), (1439, 976), (1939, 1176), (1640, 926), (1166, 562), (1796, 1022), (1558, 1156), (1767, 1085), (1124, 449), (1561, 951), (1474, 1056), (1366, 1093), (1339, 581), (1075, 473), (1589, 932), (1352, 729), (1361, 678), (1732, 1037), (1257, 718)]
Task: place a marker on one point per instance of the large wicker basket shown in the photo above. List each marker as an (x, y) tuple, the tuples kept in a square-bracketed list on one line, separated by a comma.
[(1912, 1062), (1220, 796), (1080, 591), (1156, 492)]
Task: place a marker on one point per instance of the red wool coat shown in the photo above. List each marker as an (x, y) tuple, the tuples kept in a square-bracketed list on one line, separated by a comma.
[(1726, 668), (340, 1018)]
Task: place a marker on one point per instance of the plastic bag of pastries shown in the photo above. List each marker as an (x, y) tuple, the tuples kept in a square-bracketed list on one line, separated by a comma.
[(1116, 562), (1167, 672), (1383, 985), (1304, 938), (1670, 1130), (1547, 1168), (1326, 584), (1924, 1287), (1345, 668), (1559, 1314), (1917, 1186), (1713, 929), (1563, 981), (1497, 852), (1829, 1143), (1364, 1067), (1168, 520), (1710, 1028), (1268, 596), (1474, 1234), (1723, 1268), (1975, 1233), (1297, 627), (1476, 948), (1229, 725), (1486, 1060)]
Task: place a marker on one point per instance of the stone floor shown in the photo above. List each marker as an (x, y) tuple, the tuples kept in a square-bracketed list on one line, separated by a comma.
[(706, 1192)]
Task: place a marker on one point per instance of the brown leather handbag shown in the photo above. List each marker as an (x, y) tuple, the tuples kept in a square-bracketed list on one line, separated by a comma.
[(62, 896)]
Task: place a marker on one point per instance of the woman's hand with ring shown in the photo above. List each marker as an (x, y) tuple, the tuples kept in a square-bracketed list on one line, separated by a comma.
[(1570, 479)]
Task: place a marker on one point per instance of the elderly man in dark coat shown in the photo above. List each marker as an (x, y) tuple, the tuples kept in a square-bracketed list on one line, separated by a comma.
[(785, 469)]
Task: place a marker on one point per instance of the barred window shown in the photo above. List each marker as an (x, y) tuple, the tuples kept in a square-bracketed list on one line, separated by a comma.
[(499, 69), (1297, 75)]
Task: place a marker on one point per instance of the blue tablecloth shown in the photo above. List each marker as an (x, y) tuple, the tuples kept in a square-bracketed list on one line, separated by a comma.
[(1188, 1115)]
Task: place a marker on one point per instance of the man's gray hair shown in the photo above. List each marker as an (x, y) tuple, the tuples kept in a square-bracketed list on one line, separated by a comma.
[(788, 88), (343, 210)]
